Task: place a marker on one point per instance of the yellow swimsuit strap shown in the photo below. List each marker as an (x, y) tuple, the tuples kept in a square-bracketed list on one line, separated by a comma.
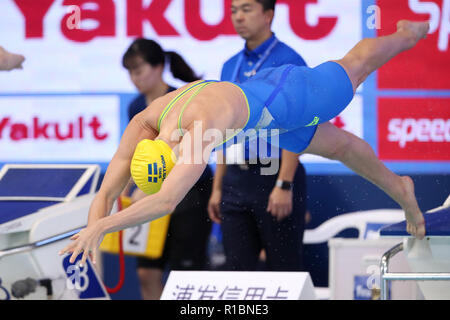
[(200, 85)]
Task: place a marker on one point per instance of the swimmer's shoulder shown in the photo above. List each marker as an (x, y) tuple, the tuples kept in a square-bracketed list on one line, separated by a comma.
[(155, 109), (164, 100)]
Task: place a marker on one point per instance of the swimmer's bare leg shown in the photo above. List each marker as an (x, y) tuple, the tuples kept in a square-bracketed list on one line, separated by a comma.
[(371, 53), (337, 144)]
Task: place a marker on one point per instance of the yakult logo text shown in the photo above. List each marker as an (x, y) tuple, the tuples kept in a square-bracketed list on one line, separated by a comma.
[(59, 128), (420, 130), (139, 12), (37, 128)]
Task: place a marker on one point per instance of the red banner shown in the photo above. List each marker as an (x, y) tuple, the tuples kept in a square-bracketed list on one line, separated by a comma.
[(426, 66), (414, 129)]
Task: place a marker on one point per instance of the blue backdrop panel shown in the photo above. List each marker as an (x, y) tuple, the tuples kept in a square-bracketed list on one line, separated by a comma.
[(39, 182), (11, 210)]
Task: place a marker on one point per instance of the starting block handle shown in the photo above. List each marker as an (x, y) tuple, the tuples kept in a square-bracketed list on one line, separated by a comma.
[(386, 276), (384, 269), (37, 244)]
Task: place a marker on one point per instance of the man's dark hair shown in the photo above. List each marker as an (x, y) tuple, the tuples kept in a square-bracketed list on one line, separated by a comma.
[(267, 4)]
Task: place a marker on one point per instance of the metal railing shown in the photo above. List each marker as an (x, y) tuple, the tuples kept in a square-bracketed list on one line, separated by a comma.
[(386, 276), (37, 244)]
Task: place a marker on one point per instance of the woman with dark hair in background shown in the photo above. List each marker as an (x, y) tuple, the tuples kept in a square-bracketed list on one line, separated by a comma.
[(185, 246)]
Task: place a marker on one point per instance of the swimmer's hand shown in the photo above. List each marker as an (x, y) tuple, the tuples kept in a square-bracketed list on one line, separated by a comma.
[(280, 203), (87, 242)]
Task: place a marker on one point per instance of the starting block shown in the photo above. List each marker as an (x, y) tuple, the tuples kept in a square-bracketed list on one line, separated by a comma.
[(429, 258), (41, 207)]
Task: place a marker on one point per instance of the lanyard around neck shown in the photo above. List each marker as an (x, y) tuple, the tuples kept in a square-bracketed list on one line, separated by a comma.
[(258, 64)]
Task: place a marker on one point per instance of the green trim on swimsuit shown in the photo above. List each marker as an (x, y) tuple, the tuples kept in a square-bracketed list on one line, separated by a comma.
[(187, 102), (202, 84), (173, 101), (248, 116), (314, 122)]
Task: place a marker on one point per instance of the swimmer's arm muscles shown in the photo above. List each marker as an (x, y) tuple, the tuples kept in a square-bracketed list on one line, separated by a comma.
[(118, 173), (177, 184), (173, 190)]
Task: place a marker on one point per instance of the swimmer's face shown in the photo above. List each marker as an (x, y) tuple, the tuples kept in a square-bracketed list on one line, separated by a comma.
[(249, 18), (143, 75)]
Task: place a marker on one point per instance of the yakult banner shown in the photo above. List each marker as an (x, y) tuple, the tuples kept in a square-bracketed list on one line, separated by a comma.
[(63, 56), (59, 128), (74, 48)]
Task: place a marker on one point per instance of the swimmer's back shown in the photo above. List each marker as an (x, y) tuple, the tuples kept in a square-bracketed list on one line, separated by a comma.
[(218, 105)]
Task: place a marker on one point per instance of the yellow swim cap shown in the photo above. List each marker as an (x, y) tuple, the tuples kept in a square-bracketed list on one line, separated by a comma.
[(152, 161)]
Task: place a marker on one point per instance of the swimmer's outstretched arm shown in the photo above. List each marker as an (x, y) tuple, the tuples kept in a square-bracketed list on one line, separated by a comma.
[(118, 173), (177, 184)]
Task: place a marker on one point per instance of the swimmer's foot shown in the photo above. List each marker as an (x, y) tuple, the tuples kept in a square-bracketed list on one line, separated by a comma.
[(414, 30), (415, 222)]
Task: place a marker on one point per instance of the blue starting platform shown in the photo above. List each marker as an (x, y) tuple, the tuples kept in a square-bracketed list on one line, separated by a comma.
[(26, 189), (437, 224), (41, 206), (428, 258)]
